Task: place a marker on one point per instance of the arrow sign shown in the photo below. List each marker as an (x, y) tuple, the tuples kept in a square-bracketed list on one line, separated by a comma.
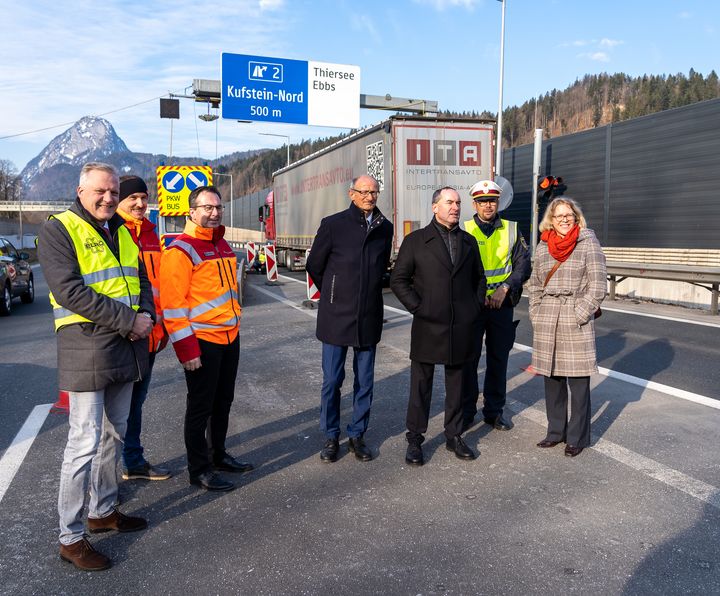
[(171, 180), (195, 180)]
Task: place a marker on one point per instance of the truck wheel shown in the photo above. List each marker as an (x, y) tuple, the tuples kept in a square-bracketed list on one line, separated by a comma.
[(6, 302), (289, 260), (28, 296)]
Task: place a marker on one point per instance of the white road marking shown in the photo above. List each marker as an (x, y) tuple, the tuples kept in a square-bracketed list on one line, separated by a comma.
[(667, 389), (15, 454), (702, 491), (697, 489)]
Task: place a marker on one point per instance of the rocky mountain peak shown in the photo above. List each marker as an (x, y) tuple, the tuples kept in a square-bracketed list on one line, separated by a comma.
[(89, 139)]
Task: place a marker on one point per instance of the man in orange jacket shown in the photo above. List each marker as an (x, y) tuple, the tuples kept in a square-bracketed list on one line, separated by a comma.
[(132, 207), (199, 298)]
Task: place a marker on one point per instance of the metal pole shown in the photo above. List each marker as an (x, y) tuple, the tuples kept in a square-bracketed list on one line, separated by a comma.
[(171, 131), (232, 204), (498, 140), (288, 151), (537, 157)]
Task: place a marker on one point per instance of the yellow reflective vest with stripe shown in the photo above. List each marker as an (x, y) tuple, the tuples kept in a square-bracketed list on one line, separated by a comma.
[(100, 269), (495, 251)]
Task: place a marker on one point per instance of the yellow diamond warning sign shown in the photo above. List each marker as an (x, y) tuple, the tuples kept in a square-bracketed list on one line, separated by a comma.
[(174, 185)]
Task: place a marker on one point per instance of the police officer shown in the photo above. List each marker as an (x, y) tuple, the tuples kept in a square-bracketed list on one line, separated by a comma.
[(506, 261)]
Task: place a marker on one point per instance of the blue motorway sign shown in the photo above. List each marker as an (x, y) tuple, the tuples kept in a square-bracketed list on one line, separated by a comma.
[(258, 88), (264, 89)]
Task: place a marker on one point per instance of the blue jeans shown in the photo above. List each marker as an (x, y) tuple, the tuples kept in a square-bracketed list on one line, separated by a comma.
[(132, 453), (333, 366), (97, 425)]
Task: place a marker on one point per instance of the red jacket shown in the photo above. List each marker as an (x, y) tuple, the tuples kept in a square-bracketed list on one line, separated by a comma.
[(144, 235)]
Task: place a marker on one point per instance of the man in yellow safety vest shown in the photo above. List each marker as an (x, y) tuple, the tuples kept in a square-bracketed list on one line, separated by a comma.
[(506, 260), (104, 312)]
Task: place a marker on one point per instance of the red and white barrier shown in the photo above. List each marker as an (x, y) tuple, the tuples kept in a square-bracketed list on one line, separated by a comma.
[(251, 253), (271, 262), (312, 290)]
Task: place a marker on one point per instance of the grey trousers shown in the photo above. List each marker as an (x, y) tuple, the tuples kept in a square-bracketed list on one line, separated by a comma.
[(98, 420), (576, 431)]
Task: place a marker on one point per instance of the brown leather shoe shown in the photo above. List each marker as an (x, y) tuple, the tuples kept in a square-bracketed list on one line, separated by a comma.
[(116, 521), (84, 556)]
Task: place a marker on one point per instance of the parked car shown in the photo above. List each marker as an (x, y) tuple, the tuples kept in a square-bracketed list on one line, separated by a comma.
[(16, 278)]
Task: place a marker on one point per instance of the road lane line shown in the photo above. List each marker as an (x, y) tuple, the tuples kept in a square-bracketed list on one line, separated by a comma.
[(613, 374), (702, 491), (697, 489), (285, 301), (15, 454)]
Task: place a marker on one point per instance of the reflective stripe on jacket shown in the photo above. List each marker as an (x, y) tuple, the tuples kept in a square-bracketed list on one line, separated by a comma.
[(144, 235), (198, 290), (99, 267), (495, 251)]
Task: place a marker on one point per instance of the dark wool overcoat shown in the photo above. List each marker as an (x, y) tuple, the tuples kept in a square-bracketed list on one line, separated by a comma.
[(347, 262), (442, 297), (562, 313)]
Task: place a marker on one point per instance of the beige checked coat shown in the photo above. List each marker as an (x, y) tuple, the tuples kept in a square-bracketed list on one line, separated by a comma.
[(562, 314)]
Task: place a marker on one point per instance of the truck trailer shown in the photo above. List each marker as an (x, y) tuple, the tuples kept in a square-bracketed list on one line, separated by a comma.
[(410, 156)]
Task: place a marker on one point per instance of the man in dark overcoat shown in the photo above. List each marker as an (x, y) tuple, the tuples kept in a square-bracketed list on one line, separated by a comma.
[(347, 261), (437, 276)]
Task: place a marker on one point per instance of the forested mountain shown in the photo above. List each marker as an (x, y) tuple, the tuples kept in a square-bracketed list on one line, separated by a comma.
[(594, 100)]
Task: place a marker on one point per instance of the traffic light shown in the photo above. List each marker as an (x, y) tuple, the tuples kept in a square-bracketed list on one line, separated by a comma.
[(551, 187)]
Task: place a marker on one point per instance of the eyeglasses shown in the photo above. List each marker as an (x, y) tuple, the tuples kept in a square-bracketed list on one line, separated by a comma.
[(565, 217), (209, 208), (366, 193)]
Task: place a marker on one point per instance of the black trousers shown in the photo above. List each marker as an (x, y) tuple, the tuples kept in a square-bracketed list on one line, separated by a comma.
[(497, 328), (577, 431), (418, 412), (211, 389)]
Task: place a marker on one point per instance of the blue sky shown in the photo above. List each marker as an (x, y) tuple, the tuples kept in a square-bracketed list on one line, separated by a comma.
[(60, 61)]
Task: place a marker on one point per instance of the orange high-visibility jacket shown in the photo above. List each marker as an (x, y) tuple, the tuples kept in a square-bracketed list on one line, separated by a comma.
[(199, 291), (144, 235)]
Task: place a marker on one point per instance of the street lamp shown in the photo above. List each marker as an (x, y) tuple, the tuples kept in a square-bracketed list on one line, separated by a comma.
[(272, 134), (498, 141)]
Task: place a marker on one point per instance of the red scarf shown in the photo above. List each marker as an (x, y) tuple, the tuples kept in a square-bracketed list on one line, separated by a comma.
[(560, 248)]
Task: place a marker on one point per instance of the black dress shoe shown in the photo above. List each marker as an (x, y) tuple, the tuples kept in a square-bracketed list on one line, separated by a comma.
[(499, 423), (359, 448), (545, 443), (414, 455), (329, 451), (462, 451), (211, 481), (572, 451), (229, 464)]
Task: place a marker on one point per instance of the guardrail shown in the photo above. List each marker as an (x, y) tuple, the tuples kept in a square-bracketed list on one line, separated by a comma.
[(704, 277)]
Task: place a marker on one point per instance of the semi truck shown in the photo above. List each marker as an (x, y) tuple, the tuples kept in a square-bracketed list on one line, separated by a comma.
[(410, 156)]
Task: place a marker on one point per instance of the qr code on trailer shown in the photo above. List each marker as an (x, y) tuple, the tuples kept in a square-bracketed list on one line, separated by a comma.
[(376, 163)]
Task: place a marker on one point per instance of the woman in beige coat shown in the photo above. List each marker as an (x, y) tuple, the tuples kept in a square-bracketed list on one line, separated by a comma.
[(567, 285)]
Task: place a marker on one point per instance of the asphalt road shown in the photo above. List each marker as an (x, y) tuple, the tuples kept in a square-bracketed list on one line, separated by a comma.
[(638, 513)]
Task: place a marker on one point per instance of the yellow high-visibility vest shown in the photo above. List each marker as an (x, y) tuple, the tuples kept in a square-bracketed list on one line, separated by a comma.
[(495, 251), (99, 267)]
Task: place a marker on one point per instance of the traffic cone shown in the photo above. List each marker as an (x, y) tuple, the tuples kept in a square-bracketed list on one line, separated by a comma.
[(62, 405)]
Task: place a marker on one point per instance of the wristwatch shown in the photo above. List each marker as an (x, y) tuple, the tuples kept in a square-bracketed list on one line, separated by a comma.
[(505, 285)]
